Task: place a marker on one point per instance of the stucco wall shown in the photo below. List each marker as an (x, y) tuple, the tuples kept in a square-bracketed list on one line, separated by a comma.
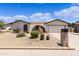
[(19, 25)]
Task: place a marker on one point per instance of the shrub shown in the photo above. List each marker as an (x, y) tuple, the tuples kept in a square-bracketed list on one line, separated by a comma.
[(20, 35), (34, 34), (16, 30), (10, 29)]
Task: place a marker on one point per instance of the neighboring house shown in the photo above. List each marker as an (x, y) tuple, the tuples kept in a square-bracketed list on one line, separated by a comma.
[(51, 26), (76, 27), (22, 25)]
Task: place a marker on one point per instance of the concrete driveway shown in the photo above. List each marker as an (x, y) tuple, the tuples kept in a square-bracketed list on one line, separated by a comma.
[(73, 39)]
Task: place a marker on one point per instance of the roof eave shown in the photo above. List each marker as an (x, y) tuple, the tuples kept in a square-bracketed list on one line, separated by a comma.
[(55, 20)]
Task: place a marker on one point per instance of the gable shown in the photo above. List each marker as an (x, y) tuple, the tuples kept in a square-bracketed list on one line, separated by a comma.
[(19, 23), (56, 22)]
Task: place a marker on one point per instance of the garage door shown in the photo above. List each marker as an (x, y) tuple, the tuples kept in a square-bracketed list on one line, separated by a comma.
[(55, 29)]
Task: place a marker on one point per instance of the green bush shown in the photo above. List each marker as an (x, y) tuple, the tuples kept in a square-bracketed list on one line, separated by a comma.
[(20, 35), (34, 34), (16, 30)]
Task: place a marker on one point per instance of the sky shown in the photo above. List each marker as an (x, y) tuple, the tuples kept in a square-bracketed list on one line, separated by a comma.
[(39, 12)]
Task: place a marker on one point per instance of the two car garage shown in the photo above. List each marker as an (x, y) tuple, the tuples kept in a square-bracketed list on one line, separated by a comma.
[(55, 29), (55, 26)]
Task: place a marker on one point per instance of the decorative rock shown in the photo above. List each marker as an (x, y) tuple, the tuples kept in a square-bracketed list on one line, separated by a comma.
[(47, 37), (42, 37), (20, 35)]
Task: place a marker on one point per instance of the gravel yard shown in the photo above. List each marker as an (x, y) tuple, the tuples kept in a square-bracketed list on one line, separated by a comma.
[(9, 40)]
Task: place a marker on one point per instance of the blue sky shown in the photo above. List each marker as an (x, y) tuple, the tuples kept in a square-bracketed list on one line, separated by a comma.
[(28, 8), (39, 12)]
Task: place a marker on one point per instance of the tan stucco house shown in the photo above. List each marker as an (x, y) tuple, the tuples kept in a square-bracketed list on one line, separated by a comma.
[(51, 26)]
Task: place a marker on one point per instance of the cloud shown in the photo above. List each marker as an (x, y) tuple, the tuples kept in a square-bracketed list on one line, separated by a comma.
[(72, 11), (20, 17), (41, 17), (8, 19), (36, 17), (68, 13), (75, 4)]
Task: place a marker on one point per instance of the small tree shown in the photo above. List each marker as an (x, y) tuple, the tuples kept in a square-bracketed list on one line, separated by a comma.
[(1, 24)]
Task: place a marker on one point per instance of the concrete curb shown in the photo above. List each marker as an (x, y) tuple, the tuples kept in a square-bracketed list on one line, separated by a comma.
[(41, 48)]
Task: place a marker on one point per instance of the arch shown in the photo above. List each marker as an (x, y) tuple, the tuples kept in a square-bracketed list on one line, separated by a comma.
[(25, 28), (39, 27)]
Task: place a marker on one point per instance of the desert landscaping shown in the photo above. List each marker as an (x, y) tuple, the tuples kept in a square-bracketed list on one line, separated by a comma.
[(9, 40)]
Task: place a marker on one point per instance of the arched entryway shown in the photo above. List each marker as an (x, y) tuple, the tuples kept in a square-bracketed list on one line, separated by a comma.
[(25, 28), (39, 28)]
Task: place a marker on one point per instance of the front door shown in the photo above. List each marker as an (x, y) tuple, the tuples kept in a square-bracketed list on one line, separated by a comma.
[(25, 28)]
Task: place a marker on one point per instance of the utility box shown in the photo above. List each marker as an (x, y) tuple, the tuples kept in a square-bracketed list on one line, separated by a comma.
[(64, 37)]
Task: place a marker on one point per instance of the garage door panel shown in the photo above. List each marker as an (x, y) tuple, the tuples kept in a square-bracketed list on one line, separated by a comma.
[(55, 29)]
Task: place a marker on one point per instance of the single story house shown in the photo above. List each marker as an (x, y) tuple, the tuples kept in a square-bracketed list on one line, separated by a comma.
[(51, 26)]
